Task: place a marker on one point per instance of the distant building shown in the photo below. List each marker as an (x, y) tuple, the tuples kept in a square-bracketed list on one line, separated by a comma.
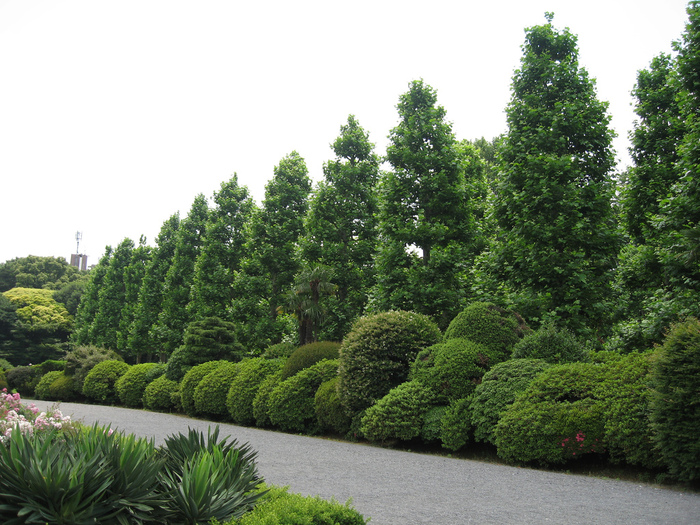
[(79, 260)]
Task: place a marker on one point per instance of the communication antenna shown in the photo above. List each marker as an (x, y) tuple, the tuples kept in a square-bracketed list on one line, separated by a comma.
[(78, 237)]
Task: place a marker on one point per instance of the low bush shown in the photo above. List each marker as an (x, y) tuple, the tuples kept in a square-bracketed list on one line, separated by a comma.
[(244, 387), (52, 365), (99, 385), (159, 394), (432, 424), (330, 414), (192, 378), (377, 354), (675, 407), (3, 380), (81, 360), (42, 390), (5, 364), (261, 403), (399, 414), (556, 418), (279, 351), (279, 507), (308, 355), (63, 388), (210, 394), (497, 391), (131, 385), (291, 403), (551, 344), (455, 426), (489, 325), (24, 379)]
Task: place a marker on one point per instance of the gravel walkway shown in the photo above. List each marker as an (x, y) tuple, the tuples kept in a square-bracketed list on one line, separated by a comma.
[(403, 488)]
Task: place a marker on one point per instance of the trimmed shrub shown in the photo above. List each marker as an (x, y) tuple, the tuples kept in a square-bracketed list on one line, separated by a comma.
[(457, 367), (279, 507), (244, 387), (556, 418), (5, 364), (432, 424), (192, 378), (99, 383), (210, 394), (261, 403), (80, 361), (63, 388), (675, 408), (42, 388), (330, 413), (158, 394), (497, 391), (279, 351), (3, 380), (291, 403), (131, 385), (377, 354), (551, 344), (24, 379), (52, 365), (399, 414), (455, 426), (489, 325), (308, 355)]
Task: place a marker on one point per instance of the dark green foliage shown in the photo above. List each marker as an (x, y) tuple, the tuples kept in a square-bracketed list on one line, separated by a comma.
[(63, 388), (3, 380), (192, 378), (210, 339), (330, 413), (497, 391), (159, 394), (279, 350), (432, 424), (279, 507), (210, 394), (37, 272), (551, 344), (310, 354), (454, 368), (377, 353), (131, 385), (24, 379), (244, 387), (291, 403), (80, 361), (261, 403), (675, 409), (489, 325), (5, 364), (456, 428), (399, 414), (556, 418), (42, 390), (99, 385), (52, 365)]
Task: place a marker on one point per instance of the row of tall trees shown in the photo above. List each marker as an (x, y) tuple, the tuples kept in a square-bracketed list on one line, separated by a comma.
[(536, 220)]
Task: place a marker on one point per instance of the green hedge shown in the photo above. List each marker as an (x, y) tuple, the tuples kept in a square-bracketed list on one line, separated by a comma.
[(261, 403), (99, 385), (210, 394), (133, 383), (308, 355), (330, 414), (42, 390), (551, 344), (192, 378), (455, 425), (158, 394), (244, 387)]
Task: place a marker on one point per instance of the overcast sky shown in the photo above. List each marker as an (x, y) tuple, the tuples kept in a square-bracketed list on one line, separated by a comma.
[(115, 114)]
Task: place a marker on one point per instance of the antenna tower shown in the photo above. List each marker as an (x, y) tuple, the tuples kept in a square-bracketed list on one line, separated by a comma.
[(78, 237)]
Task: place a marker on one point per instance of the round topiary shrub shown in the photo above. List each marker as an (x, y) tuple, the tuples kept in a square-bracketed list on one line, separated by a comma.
[(551, 344), (675, 412), (189, 383), (454, 368), (455, 426), (291, 403), (261, 403), (399, 414), (489, 325), (80, 361), (330, 413), (279, 351), (210, 394), (24, 379), (158, 394), (63, 388), (244, 387), (377, 353), (99, 385), (557, 418), (131, 385), (42, 390), (308, 355), (432, 424), (497, 390)]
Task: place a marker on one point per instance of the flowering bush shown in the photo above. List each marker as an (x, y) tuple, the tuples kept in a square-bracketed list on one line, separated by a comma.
[(13, 414)]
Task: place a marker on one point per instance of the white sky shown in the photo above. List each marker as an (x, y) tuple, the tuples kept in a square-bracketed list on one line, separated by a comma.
[(115, 114)]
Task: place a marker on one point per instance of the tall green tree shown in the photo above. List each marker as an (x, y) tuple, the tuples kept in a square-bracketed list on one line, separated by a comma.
[(557, 236), (37, 272), (174, 316), (341, 226), (221, 252), (133, 279), (425, 219), (142, 339), (89, 303), (273, 239)]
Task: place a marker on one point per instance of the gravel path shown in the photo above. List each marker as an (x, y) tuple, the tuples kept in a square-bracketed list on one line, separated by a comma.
[(403, 488)]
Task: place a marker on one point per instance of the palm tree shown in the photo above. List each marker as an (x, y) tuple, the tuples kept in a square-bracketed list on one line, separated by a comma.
[(311, 284)]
